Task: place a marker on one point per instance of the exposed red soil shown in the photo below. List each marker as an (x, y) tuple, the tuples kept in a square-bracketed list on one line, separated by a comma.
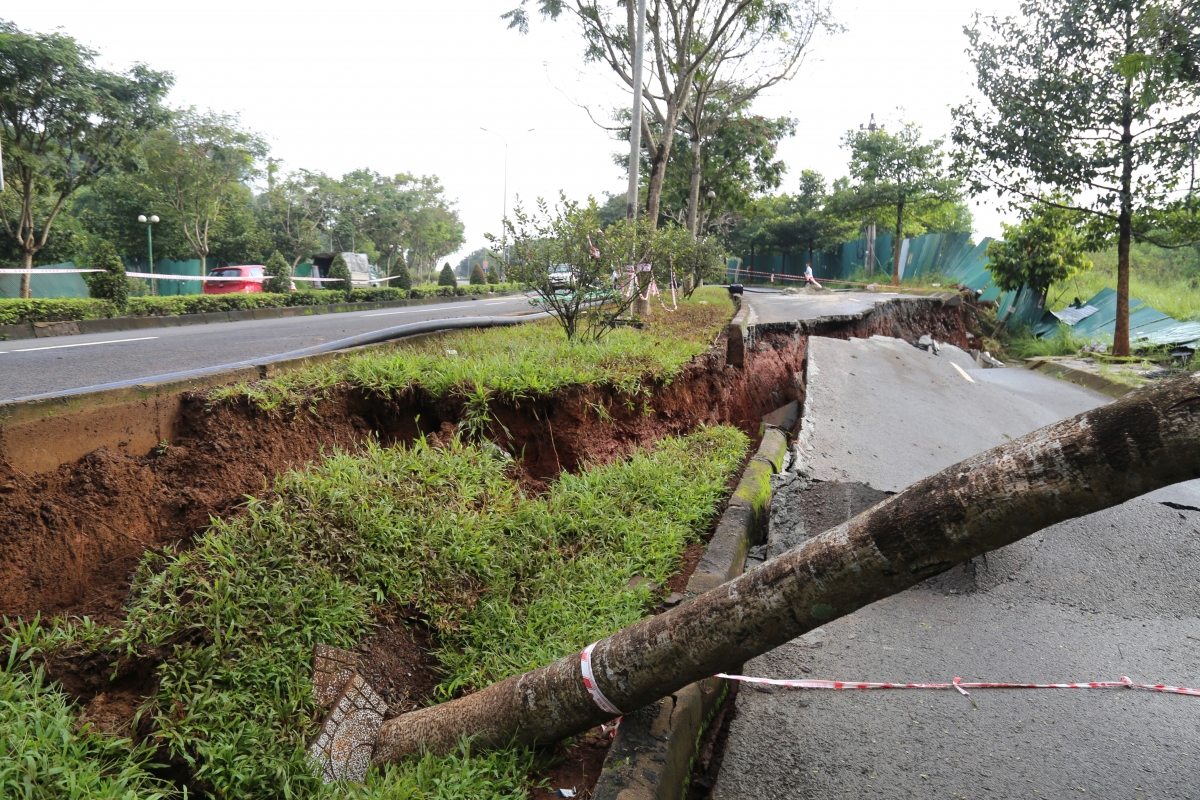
[(397, 660), (578, 765)]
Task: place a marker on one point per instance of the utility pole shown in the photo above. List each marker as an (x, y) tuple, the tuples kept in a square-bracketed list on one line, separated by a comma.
[(635, 124), (869, 259), (640, 306)]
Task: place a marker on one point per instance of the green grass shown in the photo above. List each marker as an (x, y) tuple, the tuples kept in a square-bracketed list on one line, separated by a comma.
[(1021, 343), (44, 754), (513, 363), (507, 581)]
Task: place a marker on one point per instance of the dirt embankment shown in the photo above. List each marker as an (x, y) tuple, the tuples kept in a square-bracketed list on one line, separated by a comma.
[(71, 538)]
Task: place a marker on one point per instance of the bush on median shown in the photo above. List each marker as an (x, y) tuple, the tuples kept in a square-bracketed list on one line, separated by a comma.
[(208, 303), (16, 312)]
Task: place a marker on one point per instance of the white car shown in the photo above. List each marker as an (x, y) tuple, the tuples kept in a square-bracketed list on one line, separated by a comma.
[(562, 276)]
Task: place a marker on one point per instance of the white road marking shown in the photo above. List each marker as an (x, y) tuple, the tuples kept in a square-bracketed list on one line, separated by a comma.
[(962, 372), (390, 313), (81, 344)]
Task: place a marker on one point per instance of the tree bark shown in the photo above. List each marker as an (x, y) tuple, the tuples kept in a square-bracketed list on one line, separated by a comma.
[(26, 278), (693, 217), (658, 173), (1125, 218), (1146, 440), (896, 243)]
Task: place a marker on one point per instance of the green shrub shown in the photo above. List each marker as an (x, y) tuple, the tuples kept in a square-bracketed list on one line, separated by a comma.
[(338, 269), (208, 303), (17, 312), (375, 295), (493, 275), (446, 277), (401, 277), (477, 276), (112, 283), (280, 273)]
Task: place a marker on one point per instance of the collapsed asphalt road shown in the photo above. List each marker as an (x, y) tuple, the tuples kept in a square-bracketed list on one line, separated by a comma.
[(1116, 593), (40, 366)]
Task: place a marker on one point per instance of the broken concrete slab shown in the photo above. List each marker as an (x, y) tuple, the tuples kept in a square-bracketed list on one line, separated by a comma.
[(883, 413), (332, 670), (342, 751)]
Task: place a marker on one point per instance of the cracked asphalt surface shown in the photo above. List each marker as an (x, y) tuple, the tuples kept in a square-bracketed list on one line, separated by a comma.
[(1115, 593)]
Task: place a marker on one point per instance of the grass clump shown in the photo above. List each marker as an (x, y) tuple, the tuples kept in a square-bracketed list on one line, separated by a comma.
[(513, 363), (507, 581), (45, 754), (1021, 343)]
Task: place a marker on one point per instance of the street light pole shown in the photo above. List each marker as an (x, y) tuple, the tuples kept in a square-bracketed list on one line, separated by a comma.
[(504, 205), (150, 248)]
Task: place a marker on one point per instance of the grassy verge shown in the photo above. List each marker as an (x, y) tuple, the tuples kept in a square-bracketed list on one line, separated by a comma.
[(507, 582), (517, 362)]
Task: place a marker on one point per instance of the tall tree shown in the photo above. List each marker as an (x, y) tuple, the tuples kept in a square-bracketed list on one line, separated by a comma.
[(63, 123), (1097, 99), (738, 160), (900, 173), (198, 165), (806, 223), (290, 213), (754, 43)]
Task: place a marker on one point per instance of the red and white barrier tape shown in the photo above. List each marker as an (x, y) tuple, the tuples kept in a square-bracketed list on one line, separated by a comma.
[(589, 681), (961, 686), (46, 271)]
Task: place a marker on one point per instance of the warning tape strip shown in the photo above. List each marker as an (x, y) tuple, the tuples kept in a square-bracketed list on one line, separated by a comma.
[(46, 271), (589, 681), (962, 686)]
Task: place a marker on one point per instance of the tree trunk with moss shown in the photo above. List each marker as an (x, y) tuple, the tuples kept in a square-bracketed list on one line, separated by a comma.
[(1149, 439)]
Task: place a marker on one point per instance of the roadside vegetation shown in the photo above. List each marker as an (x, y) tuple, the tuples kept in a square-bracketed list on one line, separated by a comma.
[(512, 363), (505, 581)]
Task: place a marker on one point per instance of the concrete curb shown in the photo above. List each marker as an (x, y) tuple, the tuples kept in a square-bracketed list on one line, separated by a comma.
[(41, 330), (651, 756), (1078, 376), (740, 335)]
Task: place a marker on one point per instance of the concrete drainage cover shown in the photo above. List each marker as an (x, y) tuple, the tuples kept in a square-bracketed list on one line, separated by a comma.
[(332, 670), (342, 751)]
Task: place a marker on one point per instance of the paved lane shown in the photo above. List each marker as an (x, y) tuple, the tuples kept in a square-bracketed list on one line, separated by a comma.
[(38, 366)]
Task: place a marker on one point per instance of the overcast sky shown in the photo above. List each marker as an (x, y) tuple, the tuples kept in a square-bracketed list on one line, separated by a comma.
[(405, 86)]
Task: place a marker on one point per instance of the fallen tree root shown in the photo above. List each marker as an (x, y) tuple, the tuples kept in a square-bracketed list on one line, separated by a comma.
[(1148, 439)]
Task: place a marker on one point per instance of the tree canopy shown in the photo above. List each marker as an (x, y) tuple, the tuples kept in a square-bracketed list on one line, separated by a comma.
[(708, 43), (63, 123), (898, 174)]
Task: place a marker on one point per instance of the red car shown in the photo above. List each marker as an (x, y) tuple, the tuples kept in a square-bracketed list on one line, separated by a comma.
[(243, 286)]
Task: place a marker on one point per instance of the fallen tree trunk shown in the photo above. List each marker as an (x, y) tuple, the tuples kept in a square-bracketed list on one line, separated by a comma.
[(1149, 439)]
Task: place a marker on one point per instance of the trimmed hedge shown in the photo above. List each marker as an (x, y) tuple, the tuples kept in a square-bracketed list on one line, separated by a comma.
[(15, 312), (207, 303)]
